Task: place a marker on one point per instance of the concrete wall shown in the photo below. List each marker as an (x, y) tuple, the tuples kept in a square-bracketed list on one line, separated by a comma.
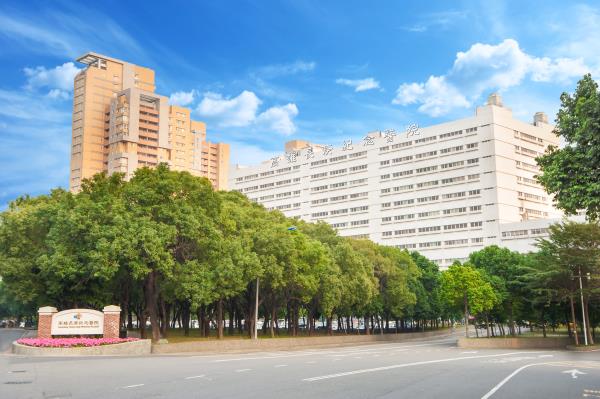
[(287, 344), (141, 347), (514, 343)]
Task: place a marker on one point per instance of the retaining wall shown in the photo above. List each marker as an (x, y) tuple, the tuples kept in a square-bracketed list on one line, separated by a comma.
[(288, 344), (141, 347), (515, 343)]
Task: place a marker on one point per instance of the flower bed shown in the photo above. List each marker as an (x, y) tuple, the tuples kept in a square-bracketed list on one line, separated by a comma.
[(72, 342)]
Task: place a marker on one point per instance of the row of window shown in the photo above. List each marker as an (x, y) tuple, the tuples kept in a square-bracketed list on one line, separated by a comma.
[(337, 212), (431, 183), (521, 179), (267, 185), (431, 198), (526, 151), (432, 229), (534, 212), (423, 140), (530, 196), (264, 174), (350, 183), (354, 223), (522, 233), (528, 137), (339, 198), (434, 244)]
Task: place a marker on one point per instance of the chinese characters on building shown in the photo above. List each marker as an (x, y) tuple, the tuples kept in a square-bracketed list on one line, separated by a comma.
[(389, 135)]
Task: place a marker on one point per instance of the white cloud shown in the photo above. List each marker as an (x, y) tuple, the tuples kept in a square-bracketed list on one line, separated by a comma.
[(59, 78), (435, 96), (236, 111), (25, 105), (69, 32), (271, 71), (359, 84), (182, 98), (57, 94), (442, 19), (485, 68), (279, 119), (243, 110)]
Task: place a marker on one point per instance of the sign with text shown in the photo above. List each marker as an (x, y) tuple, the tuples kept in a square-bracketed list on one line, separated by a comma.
[(78, 322)]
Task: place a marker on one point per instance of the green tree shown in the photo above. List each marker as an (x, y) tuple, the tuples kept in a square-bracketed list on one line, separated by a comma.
[(464, 286), (428, 305), (505, 269), (572, 173), (570, 250)]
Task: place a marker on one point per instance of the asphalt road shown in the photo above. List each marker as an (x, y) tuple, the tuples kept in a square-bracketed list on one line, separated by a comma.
[(433, 368)]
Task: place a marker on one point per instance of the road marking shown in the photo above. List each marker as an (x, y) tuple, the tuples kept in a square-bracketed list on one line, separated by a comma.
[(396, 366), (311, 362), (574, 373), (133, 386), (344, 352), (242, 370), (195, 376), (269, 357), (511, 375), (281, 365), (469, 352), (545, 356)]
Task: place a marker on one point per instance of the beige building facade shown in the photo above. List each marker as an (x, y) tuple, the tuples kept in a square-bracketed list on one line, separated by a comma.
[(445, 190), (121, 124)]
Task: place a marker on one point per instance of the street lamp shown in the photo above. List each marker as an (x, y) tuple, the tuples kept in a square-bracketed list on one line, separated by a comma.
[(585, 338)]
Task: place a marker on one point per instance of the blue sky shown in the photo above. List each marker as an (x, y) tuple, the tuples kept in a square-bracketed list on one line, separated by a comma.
[(264, 72)]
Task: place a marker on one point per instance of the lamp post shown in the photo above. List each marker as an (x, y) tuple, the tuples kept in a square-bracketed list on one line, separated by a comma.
[(585, 337)]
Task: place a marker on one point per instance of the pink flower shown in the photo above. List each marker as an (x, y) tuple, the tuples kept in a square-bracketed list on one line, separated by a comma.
[(71, 342)]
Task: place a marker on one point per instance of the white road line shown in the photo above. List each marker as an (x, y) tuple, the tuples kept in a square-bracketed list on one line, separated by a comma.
[(504, 381), (281, 365), (396, 366), (268, 357), (134, 386), (343, 352), (311, 362), (242, 370), (195, 376), (469, 352)]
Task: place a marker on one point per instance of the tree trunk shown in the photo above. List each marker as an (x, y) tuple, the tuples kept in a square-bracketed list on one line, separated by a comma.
[(151, 297), (231, 318), (466, 317), (164, 322), (130, 320), (220, 319), (273, 320), (511, 320), (487, 325), (185, 318)]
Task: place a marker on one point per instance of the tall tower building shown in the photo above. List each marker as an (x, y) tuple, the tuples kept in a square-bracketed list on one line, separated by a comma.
[(120, 124)]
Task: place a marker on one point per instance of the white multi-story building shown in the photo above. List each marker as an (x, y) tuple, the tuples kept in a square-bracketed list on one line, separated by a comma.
[(445, 190)]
